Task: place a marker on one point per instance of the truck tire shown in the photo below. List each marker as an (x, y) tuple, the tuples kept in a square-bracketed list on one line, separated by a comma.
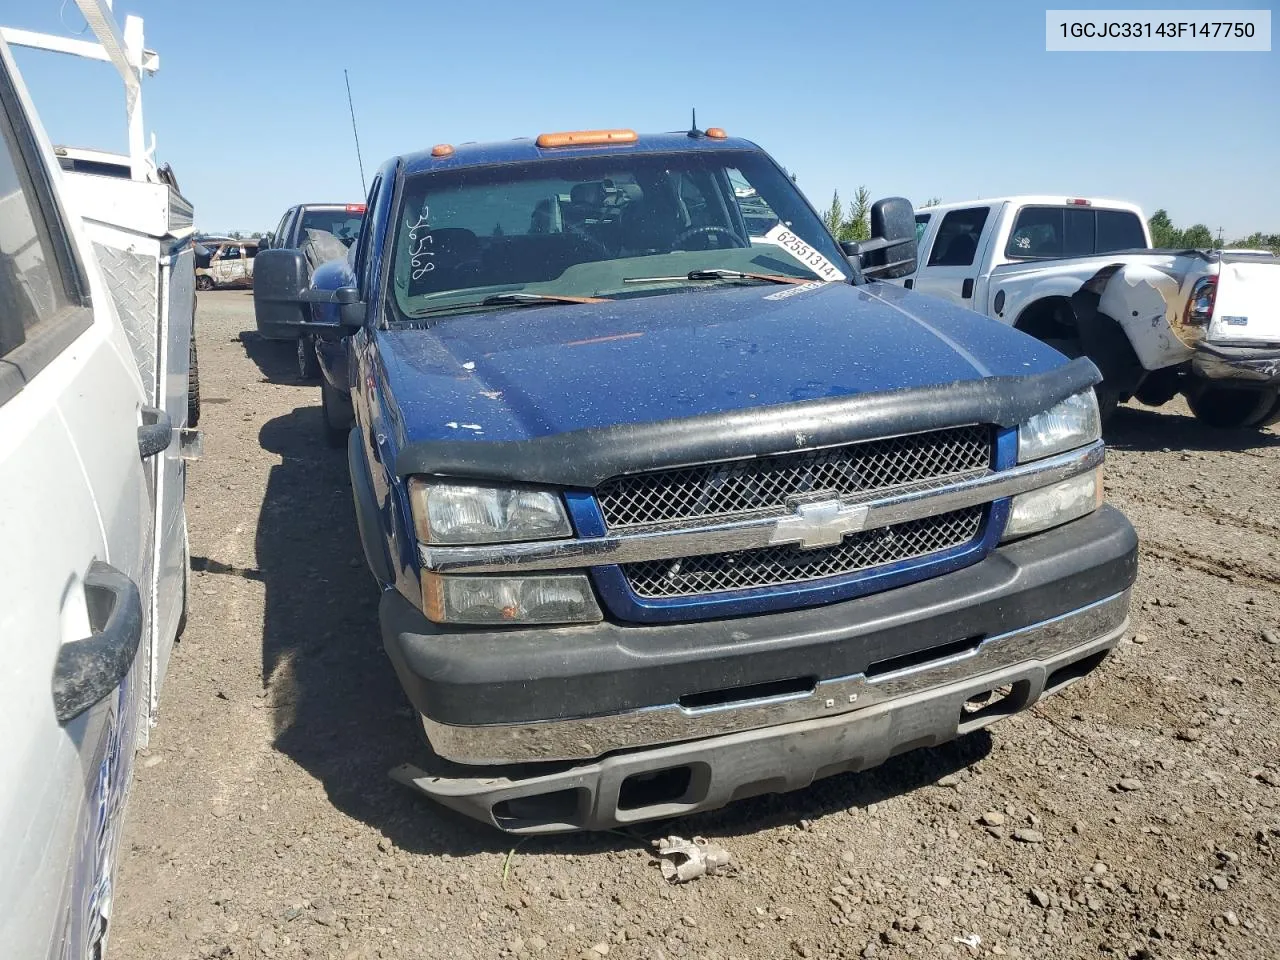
[(337, 415), (308, 362), (193, 387), (1230, 408), (1108, 397)]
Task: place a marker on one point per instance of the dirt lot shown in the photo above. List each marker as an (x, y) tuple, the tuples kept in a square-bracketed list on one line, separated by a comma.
[(1137, 815)]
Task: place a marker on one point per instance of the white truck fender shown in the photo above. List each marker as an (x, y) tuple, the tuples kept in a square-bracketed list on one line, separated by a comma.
[(1018, 300), (1145, 301)]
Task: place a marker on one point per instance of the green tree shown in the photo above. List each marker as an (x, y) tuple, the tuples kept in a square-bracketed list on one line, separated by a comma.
[(857, 221), (1163, 232), (834, 217), (1197, 236), (1259, 241)]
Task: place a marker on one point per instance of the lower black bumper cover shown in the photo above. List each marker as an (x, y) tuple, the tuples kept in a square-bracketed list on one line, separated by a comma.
[(1254, 366)]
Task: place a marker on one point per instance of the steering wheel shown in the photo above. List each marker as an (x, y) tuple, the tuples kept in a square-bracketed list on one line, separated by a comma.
[(597, 246), (707, 231)]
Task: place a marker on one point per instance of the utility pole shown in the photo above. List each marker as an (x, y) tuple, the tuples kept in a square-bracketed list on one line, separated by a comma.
[(1219, 238)]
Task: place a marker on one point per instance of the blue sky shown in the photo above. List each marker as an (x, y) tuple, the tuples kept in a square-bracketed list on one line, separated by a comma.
[(919, 99)]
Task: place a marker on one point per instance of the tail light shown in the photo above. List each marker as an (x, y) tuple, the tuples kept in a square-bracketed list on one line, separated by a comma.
[(1199, 311), (1200, 303)]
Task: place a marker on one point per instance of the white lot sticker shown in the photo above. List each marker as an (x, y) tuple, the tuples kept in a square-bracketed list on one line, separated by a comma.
[(784, 237), (798, 288)]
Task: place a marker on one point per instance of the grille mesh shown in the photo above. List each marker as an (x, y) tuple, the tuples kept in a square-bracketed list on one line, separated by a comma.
[(772, 566), (753, 487)]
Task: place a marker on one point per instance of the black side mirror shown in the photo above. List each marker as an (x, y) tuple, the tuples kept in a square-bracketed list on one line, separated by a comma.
[(282, 294), (351, 309), (280, 283), (891, 252)]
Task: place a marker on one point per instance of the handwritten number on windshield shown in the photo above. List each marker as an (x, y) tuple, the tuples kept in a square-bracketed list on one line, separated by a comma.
[(420, 239)]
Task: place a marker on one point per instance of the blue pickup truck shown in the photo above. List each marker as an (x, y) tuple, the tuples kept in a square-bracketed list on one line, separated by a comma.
[(671, 502)]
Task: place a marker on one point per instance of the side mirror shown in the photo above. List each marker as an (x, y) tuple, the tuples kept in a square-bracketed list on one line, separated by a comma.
[(891, 252), (280, 282), (351, 309), (282, 294)]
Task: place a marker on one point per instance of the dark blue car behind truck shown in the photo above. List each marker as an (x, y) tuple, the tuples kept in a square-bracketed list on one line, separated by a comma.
[(321, 232), (671, 505)]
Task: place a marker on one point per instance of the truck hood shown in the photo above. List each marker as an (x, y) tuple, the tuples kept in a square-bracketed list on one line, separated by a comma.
[(529, 372)]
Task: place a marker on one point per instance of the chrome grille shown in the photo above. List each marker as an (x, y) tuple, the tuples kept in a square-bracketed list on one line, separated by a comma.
[(773, 566), (712, 492)]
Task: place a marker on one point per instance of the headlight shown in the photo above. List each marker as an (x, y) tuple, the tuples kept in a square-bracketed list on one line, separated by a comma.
[(1064, 426), (1052, 506), (454, 513), (502, 601)]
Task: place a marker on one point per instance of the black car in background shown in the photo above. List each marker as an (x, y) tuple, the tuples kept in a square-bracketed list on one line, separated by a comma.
[(322, 232)]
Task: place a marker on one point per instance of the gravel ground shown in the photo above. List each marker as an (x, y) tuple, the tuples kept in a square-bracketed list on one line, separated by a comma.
[(1136, 815)]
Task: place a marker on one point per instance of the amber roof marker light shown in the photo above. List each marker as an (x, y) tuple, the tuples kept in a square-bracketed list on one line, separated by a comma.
[(442, 150), (577, 138), (717, 133)]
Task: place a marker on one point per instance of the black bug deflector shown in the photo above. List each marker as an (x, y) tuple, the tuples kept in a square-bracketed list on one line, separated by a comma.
[(586, 458)]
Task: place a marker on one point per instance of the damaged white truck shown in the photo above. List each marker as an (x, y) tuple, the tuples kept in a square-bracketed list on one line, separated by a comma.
[(1080, 275)]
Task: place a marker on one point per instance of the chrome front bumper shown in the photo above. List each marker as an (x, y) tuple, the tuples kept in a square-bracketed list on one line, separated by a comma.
[(585, 738)]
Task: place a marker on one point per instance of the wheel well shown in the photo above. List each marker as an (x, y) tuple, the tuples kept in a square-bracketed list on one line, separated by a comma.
[(1049, 319)]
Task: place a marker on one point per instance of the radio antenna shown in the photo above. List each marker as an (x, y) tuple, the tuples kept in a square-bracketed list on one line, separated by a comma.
[(355, 133)]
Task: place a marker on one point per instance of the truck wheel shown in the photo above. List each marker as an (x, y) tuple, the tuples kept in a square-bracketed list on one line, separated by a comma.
[(193, 387), (204, 283), (308, 362), (1230, 408), (1108, 398), (337, 415)]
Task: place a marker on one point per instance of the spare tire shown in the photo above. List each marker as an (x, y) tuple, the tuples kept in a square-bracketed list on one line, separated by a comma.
[(321, 246)]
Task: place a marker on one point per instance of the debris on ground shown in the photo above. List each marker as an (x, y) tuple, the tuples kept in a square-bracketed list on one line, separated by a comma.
[(684, 860)]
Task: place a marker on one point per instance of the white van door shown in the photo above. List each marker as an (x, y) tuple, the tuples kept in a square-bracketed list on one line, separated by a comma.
[(76, 530), (951, 264)]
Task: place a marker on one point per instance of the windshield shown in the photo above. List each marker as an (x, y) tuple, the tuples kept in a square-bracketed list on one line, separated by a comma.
[(603, 226), (343, 223)]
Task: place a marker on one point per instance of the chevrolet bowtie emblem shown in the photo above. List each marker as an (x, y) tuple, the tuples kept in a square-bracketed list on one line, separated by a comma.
[(821, 524)]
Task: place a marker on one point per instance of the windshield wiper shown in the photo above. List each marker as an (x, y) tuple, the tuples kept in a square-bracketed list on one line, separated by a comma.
[(515, 299), (719, 273)]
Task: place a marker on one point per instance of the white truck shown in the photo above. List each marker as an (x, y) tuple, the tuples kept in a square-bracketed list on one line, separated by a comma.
[(96, 304), (1080, 274)]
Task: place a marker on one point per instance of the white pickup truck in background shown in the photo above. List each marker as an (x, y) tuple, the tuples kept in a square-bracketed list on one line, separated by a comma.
[(1080, 274)]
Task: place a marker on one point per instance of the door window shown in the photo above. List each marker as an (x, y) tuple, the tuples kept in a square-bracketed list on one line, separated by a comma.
[(956, 243), (41, 308), (922, 224), (229, 253)]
